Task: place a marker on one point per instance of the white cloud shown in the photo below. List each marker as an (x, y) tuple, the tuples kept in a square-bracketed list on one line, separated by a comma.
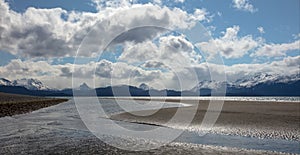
[(273, 50), (287, 66), (119, 73), (230, 45), (296, 36), (58, 76), (44, 33), (179, 1), (243, 5), (260, 30), (104, 4), (158, 2), (173, 51), (290, 61), (140, 52), (41, 70), (154, 64), (201, 14), (172, 54), (176, 51)]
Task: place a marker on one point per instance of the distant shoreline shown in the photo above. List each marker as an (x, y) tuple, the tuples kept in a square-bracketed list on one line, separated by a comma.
[(209, 98), (12, 104)]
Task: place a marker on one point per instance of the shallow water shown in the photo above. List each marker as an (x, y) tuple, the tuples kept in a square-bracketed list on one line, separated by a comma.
[(237, 98), (48, 128)]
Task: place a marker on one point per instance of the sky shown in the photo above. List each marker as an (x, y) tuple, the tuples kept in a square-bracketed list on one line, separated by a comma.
[(41, 39)]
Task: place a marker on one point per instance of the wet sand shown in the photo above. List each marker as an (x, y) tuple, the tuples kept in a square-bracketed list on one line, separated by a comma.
[(12, 104), (93, 146), (261, 119), (59, 130)]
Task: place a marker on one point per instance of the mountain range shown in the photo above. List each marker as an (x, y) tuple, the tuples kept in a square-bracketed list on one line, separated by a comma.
[(30, 84), (256, 85)]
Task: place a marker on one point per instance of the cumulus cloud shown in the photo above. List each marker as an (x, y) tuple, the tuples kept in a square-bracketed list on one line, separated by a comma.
[(176, 44), (104, 72), (141, 52), (291, 61), (138, 35), (179, 1), (119, 73), (18, 69), (104, 4), (243, 5), (230, 44), (177, 51), (154, 64), (274, 50), (66, 72), (201, 14), (173, 51), (104, 69), (41, 32), (44, 32), (162, 63), (285, 67), (260, 30), (296, 36), (158, 2), (56, 33), (124, 72)]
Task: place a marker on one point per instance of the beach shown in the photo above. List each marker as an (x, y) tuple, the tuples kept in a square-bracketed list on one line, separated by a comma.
[(11, 104), (59, 129), (261, 119)]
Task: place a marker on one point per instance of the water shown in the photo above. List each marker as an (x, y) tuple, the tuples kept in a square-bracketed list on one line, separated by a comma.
[(236, 98), (49, 128)]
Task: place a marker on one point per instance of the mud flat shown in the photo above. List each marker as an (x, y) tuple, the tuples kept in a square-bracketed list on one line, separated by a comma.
[(62, 142), (11, 104), (261, 119), (59, 130)]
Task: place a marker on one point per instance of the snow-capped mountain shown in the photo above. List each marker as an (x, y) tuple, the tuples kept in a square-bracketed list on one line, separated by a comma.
[(210, 85), (264, 78), (5, 82), (257, 85), (286, 79), (31, 84), (144, 86), (248, 81)]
